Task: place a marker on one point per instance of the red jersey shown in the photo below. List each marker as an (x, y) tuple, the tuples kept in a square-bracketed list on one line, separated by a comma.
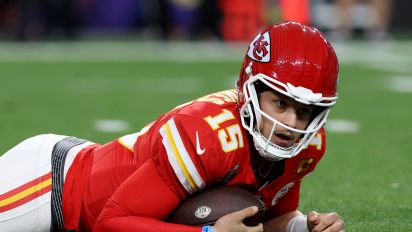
[(133, 183)]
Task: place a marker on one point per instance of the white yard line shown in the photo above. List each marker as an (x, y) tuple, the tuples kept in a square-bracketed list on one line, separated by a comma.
[(342, 126), (111, 125), (402, 84)]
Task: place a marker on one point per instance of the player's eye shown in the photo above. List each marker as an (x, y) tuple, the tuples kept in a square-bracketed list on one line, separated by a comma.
[(280, 104), (304, 113)]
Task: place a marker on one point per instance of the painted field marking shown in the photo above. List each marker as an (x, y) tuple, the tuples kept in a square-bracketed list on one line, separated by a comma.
[(402, 84), (112, 125), (342, 126)]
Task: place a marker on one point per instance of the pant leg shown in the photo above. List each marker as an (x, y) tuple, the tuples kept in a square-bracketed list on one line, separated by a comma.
[(25, 185)]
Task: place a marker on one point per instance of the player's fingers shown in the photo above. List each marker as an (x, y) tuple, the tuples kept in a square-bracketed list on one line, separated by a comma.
[(313, 217), (312, 220), (246, 212), (327, 223), (258, 228), (337, 226)]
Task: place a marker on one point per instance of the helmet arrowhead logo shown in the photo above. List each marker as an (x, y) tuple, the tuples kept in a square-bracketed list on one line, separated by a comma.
[(259, 48)]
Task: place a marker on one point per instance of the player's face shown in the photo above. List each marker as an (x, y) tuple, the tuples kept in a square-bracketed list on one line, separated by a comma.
[(287, 111)]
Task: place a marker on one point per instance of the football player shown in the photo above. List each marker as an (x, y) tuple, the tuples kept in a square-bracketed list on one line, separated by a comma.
[(264, 136)]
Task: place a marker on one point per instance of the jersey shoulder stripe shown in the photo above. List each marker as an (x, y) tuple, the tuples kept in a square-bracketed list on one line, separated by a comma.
[(179, 158), (128, 141)]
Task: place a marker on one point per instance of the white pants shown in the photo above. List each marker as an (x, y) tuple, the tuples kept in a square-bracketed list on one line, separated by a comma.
[(25, 183)]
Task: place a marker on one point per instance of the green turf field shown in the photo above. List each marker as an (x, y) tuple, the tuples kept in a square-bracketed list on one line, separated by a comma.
[(365, 175)]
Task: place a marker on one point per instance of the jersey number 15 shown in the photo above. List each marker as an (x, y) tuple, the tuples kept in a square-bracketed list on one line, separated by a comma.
[(230, 137)]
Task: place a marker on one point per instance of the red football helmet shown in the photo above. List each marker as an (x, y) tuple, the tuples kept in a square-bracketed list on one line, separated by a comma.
[(294, 60)]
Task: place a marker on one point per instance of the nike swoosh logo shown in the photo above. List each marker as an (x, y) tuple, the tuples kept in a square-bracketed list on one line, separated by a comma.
[(199, 151)]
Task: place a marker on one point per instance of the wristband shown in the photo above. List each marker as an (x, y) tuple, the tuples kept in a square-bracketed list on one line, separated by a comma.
[(297, 224), (207, 228)]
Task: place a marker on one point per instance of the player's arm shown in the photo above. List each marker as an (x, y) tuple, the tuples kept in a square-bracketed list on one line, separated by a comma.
[(286, 217), (140, 204), (177, 169), (144, 200), (295, 221), (283, 211), (151, 193), (280, 223)]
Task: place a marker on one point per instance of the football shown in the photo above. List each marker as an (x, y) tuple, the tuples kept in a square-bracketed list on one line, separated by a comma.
[(206, 207)]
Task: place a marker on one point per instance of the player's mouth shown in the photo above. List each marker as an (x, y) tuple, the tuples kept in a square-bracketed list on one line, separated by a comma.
[(283, 139)]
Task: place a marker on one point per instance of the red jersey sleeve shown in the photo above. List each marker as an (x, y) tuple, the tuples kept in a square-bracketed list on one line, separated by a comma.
[(288, 203), (194, 157), (186, 157), (140, 204), (186, 150)]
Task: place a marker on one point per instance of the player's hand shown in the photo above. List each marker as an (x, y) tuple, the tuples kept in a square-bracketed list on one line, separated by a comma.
[(326, 222), (233, 222)]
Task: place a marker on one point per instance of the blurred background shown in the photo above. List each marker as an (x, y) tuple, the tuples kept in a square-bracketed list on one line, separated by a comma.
[(102, 69), (228, 20)]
